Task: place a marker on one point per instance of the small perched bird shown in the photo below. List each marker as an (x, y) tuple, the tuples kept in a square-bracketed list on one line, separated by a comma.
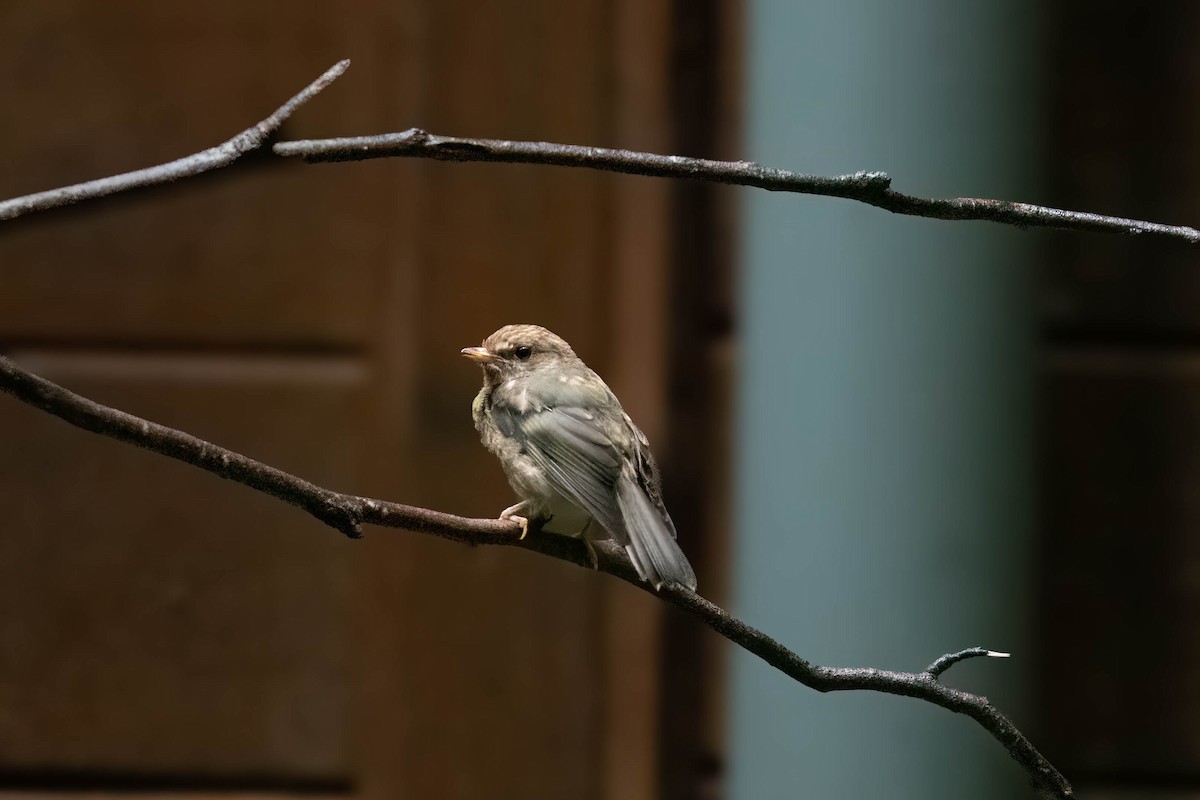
[(572, 454)]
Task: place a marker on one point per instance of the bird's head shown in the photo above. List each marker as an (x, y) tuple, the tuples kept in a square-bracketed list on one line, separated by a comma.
[(515, 351)]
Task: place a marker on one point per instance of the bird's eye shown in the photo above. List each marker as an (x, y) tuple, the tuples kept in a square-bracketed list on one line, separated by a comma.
[(523, 352)]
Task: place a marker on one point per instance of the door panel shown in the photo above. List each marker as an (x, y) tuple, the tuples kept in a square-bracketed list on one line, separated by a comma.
[(1122, 91), (250, 257), (156, 618), (1123, 568)]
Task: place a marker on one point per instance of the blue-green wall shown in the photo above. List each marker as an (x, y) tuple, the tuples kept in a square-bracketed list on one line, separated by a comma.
[(885, 402)]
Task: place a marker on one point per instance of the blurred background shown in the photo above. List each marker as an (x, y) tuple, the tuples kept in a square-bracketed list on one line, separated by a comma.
[(883, 438)]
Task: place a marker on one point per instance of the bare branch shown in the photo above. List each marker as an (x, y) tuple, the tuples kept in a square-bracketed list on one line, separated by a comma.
[(213, 158), (347, 513), (872, 188)]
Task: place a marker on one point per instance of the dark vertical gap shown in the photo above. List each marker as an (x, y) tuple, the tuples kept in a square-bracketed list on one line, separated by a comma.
[(698, 320)]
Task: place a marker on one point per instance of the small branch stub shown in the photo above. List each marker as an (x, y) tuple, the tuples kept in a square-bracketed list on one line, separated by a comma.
[(947, 661)]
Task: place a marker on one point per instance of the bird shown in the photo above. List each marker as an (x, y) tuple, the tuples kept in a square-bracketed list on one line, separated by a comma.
[(574, 458)]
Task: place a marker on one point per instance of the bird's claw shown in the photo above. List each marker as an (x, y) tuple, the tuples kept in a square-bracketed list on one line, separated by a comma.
[(524, 523), (512, 513)]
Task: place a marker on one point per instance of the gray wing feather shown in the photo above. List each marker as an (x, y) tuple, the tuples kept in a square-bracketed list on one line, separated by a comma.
[(580, 462), (619, 489), (652, 537)]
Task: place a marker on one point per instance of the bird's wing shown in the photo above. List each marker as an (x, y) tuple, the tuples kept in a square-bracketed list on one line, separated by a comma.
[(580, 461), (601, 461)]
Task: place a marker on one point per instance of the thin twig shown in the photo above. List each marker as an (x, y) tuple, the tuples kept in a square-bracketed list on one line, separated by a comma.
[(214, 157), (347, 513), (947, 661), (873, 188)]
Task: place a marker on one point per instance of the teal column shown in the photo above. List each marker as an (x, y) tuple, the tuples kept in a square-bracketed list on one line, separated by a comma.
[(885, 425)]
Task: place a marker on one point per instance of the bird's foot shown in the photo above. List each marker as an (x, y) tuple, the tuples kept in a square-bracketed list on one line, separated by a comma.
[(513, 513), (593, 559)]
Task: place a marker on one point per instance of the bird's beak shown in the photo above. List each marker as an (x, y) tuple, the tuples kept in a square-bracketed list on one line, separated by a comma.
[(480, 354)]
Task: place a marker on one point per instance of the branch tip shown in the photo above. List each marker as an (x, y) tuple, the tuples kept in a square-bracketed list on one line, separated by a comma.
[(943, 663), (221, 155)]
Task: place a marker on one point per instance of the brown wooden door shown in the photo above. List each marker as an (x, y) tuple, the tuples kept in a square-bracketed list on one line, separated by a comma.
[(161, 629)]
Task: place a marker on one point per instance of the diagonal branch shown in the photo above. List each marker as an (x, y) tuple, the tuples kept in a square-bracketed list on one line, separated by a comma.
[(347, 513), (213, 158), (872, 188)]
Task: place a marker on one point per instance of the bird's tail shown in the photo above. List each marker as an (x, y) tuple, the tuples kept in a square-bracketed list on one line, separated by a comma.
[(652, 547)]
